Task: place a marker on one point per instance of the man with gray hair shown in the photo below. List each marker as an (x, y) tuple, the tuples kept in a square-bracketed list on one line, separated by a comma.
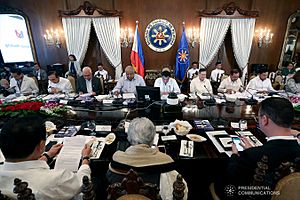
[(154, 166), (128, 83), (87, 83)]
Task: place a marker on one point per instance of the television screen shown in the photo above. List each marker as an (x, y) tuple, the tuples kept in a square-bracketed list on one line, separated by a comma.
[(147, 93), (14, 39)]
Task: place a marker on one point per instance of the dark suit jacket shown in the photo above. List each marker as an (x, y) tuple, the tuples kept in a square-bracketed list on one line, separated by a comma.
[(81, 85), (242, 168), (43, 74)]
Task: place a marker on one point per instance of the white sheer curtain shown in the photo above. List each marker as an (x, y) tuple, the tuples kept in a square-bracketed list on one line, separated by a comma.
[(77, 33), (108, 34), (242, 34), (212, 34)]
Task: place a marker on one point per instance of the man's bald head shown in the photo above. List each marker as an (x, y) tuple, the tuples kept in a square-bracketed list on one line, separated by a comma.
[(129, 70), (87, 73)]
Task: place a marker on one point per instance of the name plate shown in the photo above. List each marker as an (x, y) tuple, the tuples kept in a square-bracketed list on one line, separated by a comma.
[(103, 128), (168, 137)]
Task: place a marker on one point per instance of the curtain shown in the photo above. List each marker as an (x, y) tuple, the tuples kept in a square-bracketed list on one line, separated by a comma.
[(108, 34), (242, 31), (77, 33), (212, 34)]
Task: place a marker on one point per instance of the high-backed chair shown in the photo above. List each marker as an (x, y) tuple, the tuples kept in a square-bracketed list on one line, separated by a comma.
[(102, 85), (22, 191), (133, 187), (72, 81), (288, 187)]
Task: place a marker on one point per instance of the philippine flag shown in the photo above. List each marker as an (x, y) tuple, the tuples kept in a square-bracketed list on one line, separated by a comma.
[(137, 56)]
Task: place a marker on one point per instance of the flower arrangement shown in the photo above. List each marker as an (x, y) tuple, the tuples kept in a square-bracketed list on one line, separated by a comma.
[(26, 107)]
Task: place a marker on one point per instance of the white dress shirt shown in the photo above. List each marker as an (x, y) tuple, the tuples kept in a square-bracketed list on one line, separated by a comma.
[(63, 85), (170, 86), (256, 84), (102, 73), (89, 87), (216, 73), (191, 72), (125, 85), (198, 86), (44, 182), (28, 85), (227, 83)]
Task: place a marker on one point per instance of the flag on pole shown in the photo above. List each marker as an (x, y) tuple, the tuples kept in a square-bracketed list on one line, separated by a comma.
[(137, 56), (182, 57)]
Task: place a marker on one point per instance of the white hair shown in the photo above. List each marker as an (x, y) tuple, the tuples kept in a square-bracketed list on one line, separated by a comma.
[(141, 131)]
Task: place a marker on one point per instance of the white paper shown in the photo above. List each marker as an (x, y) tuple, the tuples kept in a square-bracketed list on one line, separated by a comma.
[(128, 96), (158, 128), (126, 126), (107, 101), (155, 140), (235, 125), (186, 148), (168, 137), (97, 148), (62, 101), (2, 159), (212, 134), (103, 128), (226, 142), (70, 154)]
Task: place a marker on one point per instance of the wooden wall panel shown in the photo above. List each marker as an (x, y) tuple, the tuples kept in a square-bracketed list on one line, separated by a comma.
[(43, 14)]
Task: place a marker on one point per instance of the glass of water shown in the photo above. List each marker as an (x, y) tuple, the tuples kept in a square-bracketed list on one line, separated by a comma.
[(243, 124), (91, 125)]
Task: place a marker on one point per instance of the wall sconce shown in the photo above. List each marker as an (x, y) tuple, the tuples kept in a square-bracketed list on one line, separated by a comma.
[(52, 37), (264, 37), (126, 37), (193, 36)]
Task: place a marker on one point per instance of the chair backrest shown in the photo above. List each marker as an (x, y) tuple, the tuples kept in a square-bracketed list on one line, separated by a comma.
[(288, 187), (22, 191), (72, 81), (87, 189), (102, 84), (132, 186)]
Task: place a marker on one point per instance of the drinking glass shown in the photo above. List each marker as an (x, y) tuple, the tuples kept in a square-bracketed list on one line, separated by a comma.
[(91, 125), (165, 129), (243, 124)]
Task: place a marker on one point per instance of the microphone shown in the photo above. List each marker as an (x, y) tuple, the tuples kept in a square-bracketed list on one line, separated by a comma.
[(250, 101), (211, 101)]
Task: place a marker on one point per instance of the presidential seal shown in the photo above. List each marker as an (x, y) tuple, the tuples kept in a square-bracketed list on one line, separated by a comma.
[(160, 35)]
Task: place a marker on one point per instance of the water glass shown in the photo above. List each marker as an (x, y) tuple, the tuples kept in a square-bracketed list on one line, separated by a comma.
[(91, 125), (243, 124)]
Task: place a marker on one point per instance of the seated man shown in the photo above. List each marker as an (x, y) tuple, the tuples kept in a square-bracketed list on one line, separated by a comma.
[(293, 84), (281, 145), (261, 83), (165, 83), (288, 71), (156, 167), (217, 73), (193, 71), (87, 83), (22, 84), (231, 84), (4, 88), (22, 142), (201, 84), (101, 72), (42, 78), (57, 84), (128, 83)]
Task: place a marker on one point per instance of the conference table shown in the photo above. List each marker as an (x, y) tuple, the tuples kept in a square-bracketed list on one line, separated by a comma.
[(207, 163)]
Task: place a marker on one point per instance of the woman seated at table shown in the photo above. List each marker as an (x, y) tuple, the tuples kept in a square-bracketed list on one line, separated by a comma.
[(151, 164), (293, 84), (166, 83)]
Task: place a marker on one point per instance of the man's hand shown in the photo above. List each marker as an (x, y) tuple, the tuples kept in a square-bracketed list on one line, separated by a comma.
[(245, 143), (86, 151), (54, 150), (234, 149)]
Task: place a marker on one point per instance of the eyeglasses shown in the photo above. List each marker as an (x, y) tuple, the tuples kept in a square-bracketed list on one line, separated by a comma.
[(255, 119)]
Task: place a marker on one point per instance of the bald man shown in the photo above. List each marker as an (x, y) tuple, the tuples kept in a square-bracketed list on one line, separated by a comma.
[(87, 83), (128, 83)]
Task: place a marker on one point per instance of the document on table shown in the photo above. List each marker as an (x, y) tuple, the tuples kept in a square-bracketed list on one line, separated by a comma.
[(70, 154)]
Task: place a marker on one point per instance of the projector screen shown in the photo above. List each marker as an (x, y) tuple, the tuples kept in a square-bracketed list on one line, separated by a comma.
[(14, 39)]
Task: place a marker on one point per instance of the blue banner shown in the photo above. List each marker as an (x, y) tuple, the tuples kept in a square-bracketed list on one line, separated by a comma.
[(182, 58)]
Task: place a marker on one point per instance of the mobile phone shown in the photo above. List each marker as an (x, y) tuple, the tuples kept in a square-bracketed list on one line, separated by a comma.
[(49, 145), (237, 141)]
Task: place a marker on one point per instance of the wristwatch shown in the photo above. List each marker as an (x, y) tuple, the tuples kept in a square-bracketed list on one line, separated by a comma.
[(86, 158), (46, 155)]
